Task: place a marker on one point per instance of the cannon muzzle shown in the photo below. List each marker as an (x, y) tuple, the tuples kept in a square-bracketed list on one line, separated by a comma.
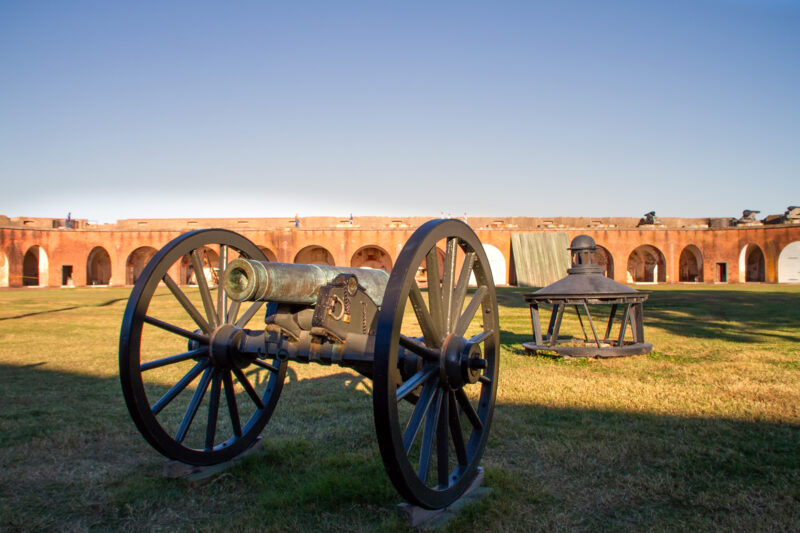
[(246, 280)]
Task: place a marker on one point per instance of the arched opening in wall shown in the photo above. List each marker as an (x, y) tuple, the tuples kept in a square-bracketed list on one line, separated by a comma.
[(751, 262), (646, 264), (3, 270), (606, 261), (690, 264), (34, 267), (269, 253), (422, 271), (209, 261), (371, 257), (98, 267), (789, 263), (314, 255), (136, 262)]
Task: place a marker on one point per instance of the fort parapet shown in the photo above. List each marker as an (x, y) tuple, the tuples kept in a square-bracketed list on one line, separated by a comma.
[(74, 252)]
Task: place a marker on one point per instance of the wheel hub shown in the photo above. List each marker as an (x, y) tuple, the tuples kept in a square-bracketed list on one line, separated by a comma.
[(224, 348), (461, 362)]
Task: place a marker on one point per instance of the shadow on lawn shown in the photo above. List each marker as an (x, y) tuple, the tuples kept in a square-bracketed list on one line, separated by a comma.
[(70, 455), (70, 308)]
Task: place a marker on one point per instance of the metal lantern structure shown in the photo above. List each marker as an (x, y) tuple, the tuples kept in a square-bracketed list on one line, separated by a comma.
[(585, 286)]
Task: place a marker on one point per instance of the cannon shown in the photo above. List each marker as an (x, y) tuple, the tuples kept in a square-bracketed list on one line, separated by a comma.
[(201, 374)]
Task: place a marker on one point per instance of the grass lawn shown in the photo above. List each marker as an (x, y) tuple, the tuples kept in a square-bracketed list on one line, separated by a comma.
[(701, 434)]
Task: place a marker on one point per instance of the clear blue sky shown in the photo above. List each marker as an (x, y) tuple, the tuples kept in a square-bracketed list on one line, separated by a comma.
[(117, 110)]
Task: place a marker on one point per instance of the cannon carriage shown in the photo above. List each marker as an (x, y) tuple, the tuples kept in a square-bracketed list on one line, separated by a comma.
[(427, 335)]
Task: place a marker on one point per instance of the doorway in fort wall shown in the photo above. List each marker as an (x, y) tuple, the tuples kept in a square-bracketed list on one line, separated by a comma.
[(98, 267), (35, 267), (789, 263), (3, 270), (646, 264), (751, 263), (690, 264), (314, 255), (372, 256), (136, 262)]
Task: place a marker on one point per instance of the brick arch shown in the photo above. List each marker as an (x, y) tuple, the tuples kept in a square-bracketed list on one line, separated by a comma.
[(269, 253), (35, 267), (690, 264), (372, 256), (314, 255), (647, 264), (606, 261), (209, 259), (752, 263), (136, 262)]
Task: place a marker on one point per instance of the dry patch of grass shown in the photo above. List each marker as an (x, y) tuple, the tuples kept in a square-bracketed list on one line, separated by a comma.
[(704, 433)]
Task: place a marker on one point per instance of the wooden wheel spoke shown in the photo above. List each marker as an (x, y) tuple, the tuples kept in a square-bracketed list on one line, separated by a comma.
[(470, 310), (222, 298), (250, 313), (173, 359), (468, 410), (448, 278), (248, 387), (233, 409), (419, 348), (233, 312), (430, 330), (178, 387), (434, 288), (455, 430), (428, 434), (194, 405), (205, 292), (415, 381), (443, 442), (186, 304), (264, 364), (166, 326), (482, 336), (213, 410), (414, 423), (460, 292)]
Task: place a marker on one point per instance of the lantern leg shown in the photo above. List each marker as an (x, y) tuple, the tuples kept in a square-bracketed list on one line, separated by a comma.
[(552, 324), (610, 322), (558, 315), (580, 321), (537, 327), (591, 323), (624, 324)]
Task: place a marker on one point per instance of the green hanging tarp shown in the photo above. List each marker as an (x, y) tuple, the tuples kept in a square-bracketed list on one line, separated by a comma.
[(540, 258)]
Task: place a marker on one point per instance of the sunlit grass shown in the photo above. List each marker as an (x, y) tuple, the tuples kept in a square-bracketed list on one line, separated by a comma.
[(703, 433)]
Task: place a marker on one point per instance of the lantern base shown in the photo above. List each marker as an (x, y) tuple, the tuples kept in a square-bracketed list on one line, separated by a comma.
[(604, 351)]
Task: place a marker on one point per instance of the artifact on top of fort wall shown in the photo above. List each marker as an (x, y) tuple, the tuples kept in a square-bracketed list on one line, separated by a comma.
[(585, 286), (433, 357), (749, 218), (650, 219)]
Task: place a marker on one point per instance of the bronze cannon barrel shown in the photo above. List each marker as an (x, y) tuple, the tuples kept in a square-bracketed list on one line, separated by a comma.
[(249, 280)]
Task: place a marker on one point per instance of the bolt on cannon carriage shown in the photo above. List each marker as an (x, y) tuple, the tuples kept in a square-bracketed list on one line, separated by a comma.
[(427, 336)]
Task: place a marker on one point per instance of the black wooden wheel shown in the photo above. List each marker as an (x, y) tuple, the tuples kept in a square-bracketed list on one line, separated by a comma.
[(175, 338), (436, 364)]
